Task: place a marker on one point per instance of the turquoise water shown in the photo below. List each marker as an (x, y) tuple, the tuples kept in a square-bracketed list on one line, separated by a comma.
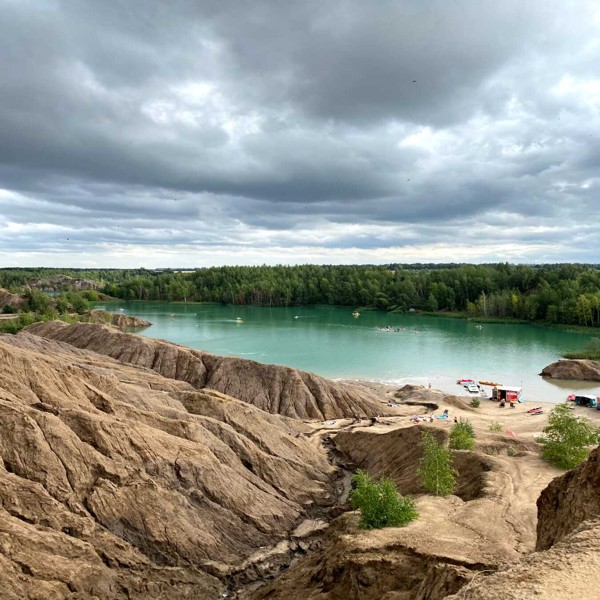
[(331, 342)]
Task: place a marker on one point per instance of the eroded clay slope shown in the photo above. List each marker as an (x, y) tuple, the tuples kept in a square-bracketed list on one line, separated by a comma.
[(568, 571), (116, 482), (568, 544), (454, 539), (274, 389), (568, 501)]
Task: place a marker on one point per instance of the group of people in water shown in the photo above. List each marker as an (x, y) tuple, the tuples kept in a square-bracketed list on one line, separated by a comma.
[(390, 329)]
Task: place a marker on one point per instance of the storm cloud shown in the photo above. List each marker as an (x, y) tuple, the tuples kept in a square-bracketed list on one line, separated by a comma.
[(192, 133)]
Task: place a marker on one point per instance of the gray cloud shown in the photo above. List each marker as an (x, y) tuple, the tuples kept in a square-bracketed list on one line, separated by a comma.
[(208, 131)]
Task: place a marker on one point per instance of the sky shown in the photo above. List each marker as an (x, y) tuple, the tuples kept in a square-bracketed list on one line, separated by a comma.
[(194, 133)]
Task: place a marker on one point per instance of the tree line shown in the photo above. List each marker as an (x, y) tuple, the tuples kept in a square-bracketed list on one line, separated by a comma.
[(561, 293)]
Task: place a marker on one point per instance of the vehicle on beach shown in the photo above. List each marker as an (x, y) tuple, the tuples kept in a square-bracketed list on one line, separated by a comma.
[(584, 400), (472, 388)]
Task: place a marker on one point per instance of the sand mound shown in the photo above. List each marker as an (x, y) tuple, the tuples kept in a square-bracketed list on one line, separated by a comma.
[(274, 389)]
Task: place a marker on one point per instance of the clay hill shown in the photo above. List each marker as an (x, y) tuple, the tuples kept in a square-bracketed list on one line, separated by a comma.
[(274, 389), (138, 469), (13, 300), (121, 321), (582, 370), (117, 482)]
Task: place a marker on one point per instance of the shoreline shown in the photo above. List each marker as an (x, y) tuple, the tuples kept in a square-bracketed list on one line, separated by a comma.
[(451, 388), (487, 411)]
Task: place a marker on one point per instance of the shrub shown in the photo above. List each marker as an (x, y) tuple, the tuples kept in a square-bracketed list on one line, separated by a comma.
[(61, 303), (462, 436), (78, 302), (567, 437), (36, 301), (379, 502), (435, 469), (495, 426), (15, 325), (475, 402)]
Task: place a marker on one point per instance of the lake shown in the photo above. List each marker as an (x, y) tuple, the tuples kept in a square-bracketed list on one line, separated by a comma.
[(331, 342)]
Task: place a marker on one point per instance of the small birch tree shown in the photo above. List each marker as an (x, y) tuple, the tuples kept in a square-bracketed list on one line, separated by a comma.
[(435, 469)]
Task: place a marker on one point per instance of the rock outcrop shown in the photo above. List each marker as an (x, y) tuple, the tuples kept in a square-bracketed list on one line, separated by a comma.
[(63, 283), (13, 300), (274, 389), (121, 321), (580, 370), (568, 501), (119, 483)]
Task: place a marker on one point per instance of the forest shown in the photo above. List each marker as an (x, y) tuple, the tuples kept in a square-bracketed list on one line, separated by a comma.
[(558, 294)]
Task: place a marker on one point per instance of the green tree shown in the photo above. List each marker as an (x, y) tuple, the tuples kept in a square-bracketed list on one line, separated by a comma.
[(567, 438), (62, 304), (462, 436), (435, 469), (36, 301), (79, 303), (379, 502)]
